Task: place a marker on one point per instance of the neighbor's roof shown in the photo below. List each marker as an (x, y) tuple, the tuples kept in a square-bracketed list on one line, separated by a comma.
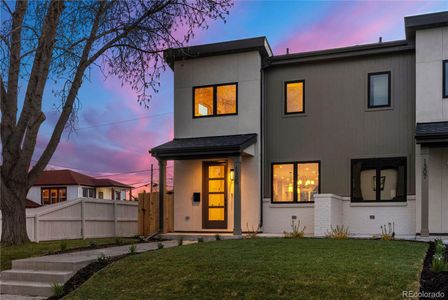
[(31, 204), (259, 44), (212, 146), (69, 177), (427, 21), (432, 132)]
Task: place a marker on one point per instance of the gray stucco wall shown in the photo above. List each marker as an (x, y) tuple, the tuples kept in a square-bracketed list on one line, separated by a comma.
[(337, 125)]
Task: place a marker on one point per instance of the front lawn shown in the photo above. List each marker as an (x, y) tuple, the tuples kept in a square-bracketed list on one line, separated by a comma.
[(263, 269), (9, 253)]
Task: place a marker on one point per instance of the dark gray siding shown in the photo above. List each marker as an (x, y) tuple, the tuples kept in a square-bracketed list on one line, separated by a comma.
[(337, 125)]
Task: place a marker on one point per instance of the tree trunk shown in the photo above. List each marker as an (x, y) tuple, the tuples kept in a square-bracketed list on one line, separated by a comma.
[(12, 205)]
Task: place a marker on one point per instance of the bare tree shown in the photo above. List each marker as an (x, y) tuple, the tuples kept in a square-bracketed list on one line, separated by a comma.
[(61, 40)]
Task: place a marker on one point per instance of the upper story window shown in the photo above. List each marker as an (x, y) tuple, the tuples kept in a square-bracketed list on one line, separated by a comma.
[(215, 100), (88, 192), (295, 97), (378, 179), (445, 79), (295, 182), (53, 195), (379, 90)]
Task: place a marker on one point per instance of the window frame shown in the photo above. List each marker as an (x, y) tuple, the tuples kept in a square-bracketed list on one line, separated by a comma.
[(389, 90), (285, 100), (295, 177), (49, 188), (379, 162), (444, 78), (88, 191), (215, 100)]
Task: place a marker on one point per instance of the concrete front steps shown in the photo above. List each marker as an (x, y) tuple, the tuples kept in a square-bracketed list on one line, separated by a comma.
[(35, 276)]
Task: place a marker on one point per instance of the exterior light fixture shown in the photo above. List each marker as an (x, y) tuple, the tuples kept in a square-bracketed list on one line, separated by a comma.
[(232, 174)]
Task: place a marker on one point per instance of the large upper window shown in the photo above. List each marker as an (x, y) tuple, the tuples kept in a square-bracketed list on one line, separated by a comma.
[(215, 100), (378, 179), (295, 182), (295, 97), (53, 195), (379, 89), (445, 79)]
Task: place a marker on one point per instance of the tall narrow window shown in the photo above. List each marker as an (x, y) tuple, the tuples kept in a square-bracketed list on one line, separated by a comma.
[(379, 179), (215, 100), (445, 79), (379, 90), (295, 182), (295, 97)]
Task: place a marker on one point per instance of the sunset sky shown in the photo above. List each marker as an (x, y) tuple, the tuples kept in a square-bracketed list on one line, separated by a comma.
[(114, 133)]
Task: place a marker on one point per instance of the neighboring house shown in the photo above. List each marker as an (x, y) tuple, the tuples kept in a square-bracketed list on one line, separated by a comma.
[(354, 136), (55, 186)]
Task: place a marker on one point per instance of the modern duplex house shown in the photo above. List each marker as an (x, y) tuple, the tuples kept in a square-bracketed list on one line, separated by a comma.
[(354, 136), (55, 186)]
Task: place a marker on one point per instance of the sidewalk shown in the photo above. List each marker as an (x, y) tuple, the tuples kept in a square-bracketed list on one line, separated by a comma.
[(32, 278)]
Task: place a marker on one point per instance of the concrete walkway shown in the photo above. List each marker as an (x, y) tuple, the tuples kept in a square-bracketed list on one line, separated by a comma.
[(31, 277)]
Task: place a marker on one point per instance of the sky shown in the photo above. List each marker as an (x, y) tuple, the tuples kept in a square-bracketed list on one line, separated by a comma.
[(114, 133)]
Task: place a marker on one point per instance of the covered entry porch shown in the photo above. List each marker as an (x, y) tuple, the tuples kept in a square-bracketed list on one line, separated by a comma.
[(214, 179), (432, 178)]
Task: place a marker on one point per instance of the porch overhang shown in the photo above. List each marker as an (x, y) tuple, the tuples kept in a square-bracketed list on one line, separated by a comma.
[(205, 147), (432, 134)]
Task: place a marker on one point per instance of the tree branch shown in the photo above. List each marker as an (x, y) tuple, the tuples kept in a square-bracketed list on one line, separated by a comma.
[(9, 102), (68, 105)]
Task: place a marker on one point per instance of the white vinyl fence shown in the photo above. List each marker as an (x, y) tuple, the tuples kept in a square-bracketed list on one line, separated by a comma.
[(82, 218)]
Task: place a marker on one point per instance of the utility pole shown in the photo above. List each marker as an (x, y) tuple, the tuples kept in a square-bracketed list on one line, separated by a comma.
[(152, 174)]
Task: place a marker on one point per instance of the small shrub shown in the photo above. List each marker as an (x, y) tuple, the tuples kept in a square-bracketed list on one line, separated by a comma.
[(388, 232), (440, 248), (180, 241), (217, 237), (118, 241), (252, 233), (439, 264), (338, 233), (132, 249), (63, 245), (58, 289), (200, 240), (159, 245), (92, 244), (103, 259), (296, 231)]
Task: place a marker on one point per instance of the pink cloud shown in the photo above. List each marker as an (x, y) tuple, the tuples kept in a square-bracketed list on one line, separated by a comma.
[(351, 24)]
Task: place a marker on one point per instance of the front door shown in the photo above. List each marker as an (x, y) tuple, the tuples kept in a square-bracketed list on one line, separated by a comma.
[(214, 209)]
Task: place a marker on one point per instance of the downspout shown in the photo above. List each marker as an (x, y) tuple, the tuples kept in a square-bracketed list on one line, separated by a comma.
[(264, 64)]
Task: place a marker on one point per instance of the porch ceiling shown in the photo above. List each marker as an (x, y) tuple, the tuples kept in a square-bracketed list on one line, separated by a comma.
[(204, 147), (432, 133)]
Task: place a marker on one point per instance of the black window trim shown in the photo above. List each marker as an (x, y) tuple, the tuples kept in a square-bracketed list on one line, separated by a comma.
[(389, 101), (377, 161), (295, 164), (444, 75), (49, 188), (215, 107), (285, 100), (89, 188)]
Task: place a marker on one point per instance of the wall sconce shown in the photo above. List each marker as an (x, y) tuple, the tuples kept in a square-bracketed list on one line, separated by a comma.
[(232, 174)]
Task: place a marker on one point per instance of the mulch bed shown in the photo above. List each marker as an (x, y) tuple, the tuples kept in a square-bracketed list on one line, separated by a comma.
[(431, 282), (85, 273)]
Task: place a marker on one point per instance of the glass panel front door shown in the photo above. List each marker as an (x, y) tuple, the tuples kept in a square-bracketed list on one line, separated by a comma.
[(215, 202)]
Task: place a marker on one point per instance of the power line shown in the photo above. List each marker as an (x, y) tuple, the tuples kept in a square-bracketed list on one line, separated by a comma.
[(124, 121)]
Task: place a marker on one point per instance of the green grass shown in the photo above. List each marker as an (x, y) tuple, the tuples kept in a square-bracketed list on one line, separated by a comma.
[(9, 253), (263, 269)]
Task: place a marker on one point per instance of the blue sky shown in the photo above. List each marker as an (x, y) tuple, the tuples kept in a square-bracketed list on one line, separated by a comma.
[(114, 132)]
